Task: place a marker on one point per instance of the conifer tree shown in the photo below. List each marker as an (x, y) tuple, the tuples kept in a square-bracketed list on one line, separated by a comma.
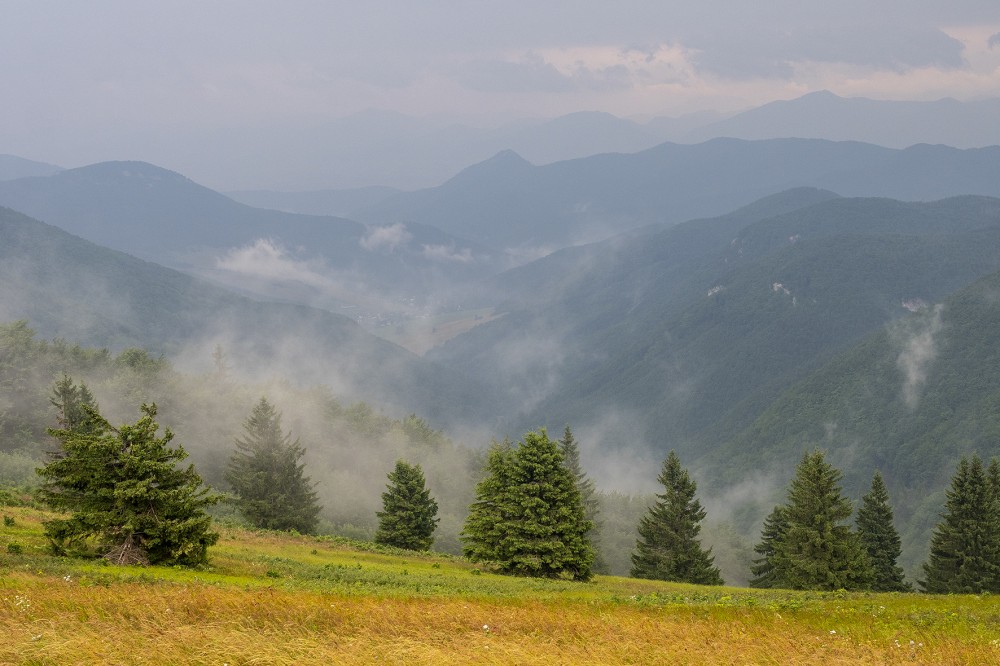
[(817, 550), (407, 519), (763, 569), (76, 404), (484, 534), (571, 455), (966, 543), (880, 539), (668, 547), (123, 490), (588, 493), (528, 518), (266, 474)]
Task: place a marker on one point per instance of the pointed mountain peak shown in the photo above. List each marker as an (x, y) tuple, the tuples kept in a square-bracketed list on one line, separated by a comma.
[(507, 157), (504, 164)]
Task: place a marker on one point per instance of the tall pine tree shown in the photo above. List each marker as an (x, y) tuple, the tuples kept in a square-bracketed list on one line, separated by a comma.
[(407, 519), (763, 570), (668, 547), (818, 551), (484, 534), (588, 493), (965, 545), (528, 517), (266, 474), (880, 539)]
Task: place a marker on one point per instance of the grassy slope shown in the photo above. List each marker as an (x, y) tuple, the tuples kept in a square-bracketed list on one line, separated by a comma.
[(280, 599)]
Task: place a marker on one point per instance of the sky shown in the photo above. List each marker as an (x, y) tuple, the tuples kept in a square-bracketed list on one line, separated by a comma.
[(121, 79)]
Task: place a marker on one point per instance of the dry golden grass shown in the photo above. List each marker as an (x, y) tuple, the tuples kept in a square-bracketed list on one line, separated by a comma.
[(58, 611)]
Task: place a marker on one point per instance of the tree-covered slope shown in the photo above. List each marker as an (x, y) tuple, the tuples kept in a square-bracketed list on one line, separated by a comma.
[(67, 287), (908, 400), (693, 330)]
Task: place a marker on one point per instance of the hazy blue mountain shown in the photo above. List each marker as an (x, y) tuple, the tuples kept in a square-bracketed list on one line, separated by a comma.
[(70, 288), (337, 203), (687, 333), (12, 167), (384, 148), (507, 202), (896, 124), (575, 135), (162, 216)]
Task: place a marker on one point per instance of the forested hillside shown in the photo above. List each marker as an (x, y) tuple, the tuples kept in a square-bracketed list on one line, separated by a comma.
[(67, 287), (699, 326), (909, 400)]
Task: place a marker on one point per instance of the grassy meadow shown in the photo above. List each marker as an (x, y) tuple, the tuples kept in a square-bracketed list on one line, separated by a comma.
[(269, 598)]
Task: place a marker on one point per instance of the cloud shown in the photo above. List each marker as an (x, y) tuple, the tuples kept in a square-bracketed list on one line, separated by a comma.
[(529, 75), (387, 238), (993, 41), (269, 260), (448, 253), (919, 351), (779, 52)]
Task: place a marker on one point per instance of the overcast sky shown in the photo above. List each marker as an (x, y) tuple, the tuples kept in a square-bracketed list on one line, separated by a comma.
[(80, 78)]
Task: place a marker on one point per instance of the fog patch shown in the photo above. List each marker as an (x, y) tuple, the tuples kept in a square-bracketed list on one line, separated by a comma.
[(917, 337), (448, 253), (614, 454), (270, 260), (386, 238)]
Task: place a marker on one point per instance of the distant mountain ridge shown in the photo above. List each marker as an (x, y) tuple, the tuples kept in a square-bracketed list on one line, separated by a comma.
[(507, 202), (894, 124), (162, 216), (12, 167)]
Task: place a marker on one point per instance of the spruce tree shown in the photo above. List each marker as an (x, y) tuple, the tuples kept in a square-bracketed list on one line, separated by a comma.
[(668, 547), (123, 490), (571, 456), (407, 519), (817, 550), (265, 473), (763, 570), (484, 534), (76, 404), (966, 542), (588, 493), (880, 539), (528, 515)]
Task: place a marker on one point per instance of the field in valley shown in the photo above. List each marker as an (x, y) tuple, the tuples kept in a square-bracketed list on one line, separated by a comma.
[(269, 598)]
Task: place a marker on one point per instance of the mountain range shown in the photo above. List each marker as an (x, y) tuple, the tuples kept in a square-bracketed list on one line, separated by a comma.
[(508, 203), (160, 215), (745, 301), (379, 148)]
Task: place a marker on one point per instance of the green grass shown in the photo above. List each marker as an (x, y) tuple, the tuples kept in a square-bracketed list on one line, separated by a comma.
[(275, 598)]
